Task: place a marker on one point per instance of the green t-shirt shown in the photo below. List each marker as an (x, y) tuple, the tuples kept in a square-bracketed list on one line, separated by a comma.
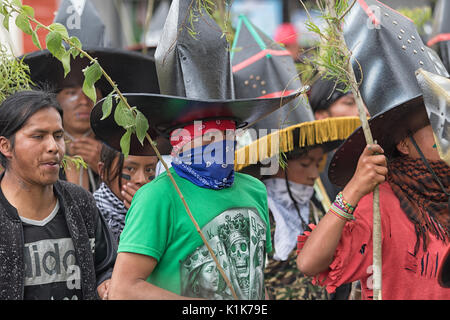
[(234, 221)]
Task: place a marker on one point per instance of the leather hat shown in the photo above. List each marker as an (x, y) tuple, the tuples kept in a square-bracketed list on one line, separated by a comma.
[(195, 80), (386, 51)]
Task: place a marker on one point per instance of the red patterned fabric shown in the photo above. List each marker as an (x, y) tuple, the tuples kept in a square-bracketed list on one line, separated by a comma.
[(406, 275), (181, 136)]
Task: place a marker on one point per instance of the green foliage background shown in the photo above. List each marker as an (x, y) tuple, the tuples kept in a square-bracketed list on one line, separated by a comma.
[(14, 74)]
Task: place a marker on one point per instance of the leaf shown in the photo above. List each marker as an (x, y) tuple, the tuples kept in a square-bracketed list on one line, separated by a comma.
[(125, 142), (141, 126), (6, 21), (75, 43), (3, 10), (107, 106), (91, 75), (123, 116), (76, 160), (35, 39), (54, 44), (17, 3), (14, 74), (28, 10), (65, 60), (24, 24), (58, 27)]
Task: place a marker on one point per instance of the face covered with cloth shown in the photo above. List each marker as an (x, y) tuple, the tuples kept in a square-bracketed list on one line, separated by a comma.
[(203, 153)]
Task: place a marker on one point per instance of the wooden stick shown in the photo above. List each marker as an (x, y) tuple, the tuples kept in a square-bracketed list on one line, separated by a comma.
[(377, 250), (323, 193)]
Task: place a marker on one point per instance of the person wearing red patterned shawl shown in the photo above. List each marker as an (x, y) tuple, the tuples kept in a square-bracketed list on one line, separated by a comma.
[(414, 183)]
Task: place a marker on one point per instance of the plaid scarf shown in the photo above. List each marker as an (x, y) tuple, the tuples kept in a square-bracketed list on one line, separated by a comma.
[(421, 197), (112, 209)]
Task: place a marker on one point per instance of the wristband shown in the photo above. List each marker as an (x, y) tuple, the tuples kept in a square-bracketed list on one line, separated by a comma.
[(337, 211), (344, 204)]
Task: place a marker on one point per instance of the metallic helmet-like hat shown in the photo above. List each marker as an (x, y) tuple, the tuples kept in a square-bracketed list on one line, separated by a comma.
[(386, 52), (195, 80)]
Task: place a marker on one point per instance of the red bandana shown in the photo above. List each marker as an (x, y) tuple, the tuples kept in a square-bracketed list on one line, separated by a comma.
[(179, 137)]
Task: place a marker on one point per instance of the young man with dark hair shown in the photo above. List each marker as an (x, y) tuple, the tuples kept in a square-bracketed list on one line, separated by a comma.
[(55, 244)]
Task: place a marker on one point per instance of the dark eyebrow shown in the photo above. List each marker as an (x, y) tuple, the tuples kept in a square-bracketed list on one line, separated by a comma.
[(132, 163), (311, 159), (46, 131)]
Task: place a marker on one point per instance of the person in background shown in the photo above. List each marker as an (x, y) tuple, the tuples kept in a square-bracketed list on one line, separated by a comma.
[(80, 139), (291, 198), (327, 100), (293, 201), (121, 178)]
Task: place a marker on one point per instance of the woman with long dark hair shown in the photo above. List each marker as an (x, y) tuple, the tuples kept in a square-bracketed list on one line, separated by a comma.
[(121, 178)]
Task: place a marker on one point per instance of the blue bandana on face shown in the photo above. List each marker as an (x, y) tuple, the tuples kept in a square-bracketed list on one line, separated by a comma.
[(210, 166)]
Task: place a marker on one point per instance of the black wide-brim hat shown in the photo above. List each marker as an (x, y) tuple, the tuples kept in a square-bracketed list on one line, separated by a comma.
[(444, 271), (387, 52), (166, 113), (387, 129), (132, 71)]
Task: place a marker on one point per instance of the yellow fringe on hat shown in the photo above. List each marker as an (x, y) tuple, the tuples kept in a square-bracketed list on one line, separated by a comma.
[(311, 133)]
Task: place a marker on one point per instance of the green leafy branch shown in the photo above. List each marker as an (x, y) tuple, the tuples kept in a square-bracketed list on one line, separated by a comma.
[(330, 57), (76, 160), (14, 74), (130, 118), (218, 10)]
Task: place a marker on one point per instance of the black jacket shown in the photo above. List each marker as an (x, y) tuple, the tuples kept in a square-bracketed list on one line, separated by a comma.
[(84, 222)]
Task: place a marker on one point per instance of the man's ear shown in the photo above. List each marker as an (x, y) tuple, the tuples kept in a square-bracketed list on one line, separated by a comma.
[(5, 147), (403, 146), (321, 114)]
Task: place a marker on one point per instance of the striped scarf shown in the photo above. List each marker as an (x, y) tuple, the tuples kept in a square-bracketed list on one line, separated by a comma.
[(112, 209), (421, 197)]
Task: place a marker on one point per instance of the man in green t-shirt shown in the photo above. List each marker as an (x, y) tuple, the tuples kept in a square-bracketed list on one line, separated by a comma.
[(162, 254), (161, 244)]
